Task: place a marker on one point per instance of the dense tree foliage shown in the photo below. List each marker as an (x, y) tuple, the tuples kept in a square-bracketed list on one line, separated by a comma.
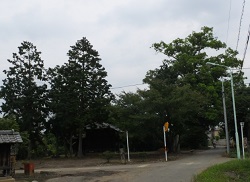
[(242, 102), (185, 65), (184, 91), (62, 106), (80, 94), (8, 123), (131, 112), (144, 113), (24, 92)]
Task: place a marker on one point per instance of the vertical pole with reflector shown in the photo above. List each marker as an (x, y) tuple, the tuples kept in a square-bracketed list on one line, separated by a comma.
[(165, 144), (127, 146)]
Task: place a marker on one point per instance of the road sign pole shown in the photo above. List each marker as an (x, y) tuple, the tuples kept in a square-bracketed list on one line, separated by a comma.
[(127, 146), (242, 140), (165, 144)]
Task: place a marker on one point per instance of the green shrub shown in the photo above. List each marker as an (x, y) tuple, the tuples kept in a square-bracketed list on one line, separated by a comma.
[(108, 155), (217, 138), (23, 147)]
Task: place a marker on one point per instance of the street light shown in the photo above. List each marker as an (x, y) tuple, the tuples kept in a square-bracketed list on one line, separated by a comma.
[(235, 119)]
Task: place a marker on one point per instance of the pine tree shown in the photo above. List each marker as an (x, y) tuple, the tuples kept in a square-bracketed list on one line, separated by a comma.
[(82, 89), (24, 92)]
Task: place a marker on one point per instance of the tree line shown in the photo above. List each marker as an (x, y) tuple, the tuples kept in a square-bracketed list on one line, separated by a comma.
[(51, 107)]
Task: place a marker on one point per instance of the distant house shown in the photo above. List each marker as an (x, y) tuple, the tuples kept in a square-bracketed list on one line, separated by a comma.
[(214, 132), (8, 149), (101, 137)]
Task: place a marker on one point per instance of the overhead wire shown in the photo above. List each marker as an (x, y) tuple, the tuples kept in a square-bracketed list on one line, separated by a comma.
[(241, 17), (245, 50), (228, 21), (128, 86), (146, 84), (229, 16)]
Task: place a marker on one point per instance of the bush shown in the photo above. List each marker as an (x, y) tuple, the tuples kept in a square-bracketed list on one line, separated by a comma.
[(23, 147), (217, 138), (108, 155)]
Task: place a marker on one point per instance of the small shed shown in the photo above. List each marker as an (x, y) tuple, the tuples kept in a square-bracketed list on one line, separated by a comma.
[(101, 137), (8, 149)]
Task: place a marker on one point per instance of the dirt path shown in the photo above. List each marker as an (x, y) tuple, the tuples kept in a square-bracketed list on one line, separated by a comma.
[(91, 166)]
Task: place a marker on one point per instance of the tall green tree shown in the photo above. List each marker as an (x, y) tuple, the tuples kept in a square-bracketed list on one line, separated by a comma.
[(144, 113), (82, 87), (132, 113), (63, 108), (185, 65), (24, 92)]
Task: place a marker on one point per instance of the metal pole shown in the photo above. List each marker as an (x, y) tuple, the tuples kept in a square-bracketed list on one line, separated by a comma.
[(225, 116), (242, 140), (165, 144), (235, 119), (127, 146)]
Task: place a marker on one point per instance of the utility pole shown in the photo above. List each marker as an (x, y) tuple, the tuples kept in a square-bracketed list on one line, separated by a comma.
[(225, 115), (234, 109)]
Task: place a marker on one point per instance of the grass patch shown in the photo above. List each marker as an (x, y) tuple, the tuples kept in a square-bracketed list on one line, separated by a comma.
[(232, 171)]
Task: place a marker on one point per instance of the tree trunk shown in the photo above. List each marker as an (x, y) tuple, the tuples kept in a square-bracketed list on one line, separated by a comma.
[(29, 150), (79, 154), (65, 148), (71, 146), (176, 144)]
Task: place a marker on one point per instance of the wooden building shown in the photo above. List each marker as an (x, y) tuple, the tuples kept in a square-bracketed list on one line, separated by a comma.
[(101, 137), (8, 149)]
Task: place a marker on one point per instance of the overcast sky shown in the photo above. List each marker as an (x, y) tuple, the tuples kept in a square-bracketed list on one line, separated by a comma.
[(121, 31)]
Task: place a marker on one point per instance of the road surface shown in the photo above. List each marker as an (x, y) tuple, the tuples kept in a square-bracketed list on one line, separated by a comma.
[(181, 170)]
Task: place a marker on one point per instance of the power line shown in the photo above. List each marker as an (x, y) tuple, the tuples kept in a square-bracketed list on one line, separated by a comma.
[(245, 51), (242, 12), (228, 21), (128, 86), (146, 84)]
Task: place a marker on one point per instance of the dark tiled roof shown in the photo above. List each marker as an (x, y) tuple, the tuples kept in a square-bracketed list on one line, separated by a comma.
[(10, 136), (102, 126)]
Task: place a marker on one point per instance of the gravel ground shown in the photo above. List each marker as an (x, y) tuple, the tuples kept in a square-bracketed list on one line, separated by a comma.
[(70, 174)]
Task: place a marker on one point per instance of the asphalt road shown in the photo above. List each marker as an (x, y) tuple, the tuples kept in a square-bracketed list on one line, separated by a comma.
[(181, 170)]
